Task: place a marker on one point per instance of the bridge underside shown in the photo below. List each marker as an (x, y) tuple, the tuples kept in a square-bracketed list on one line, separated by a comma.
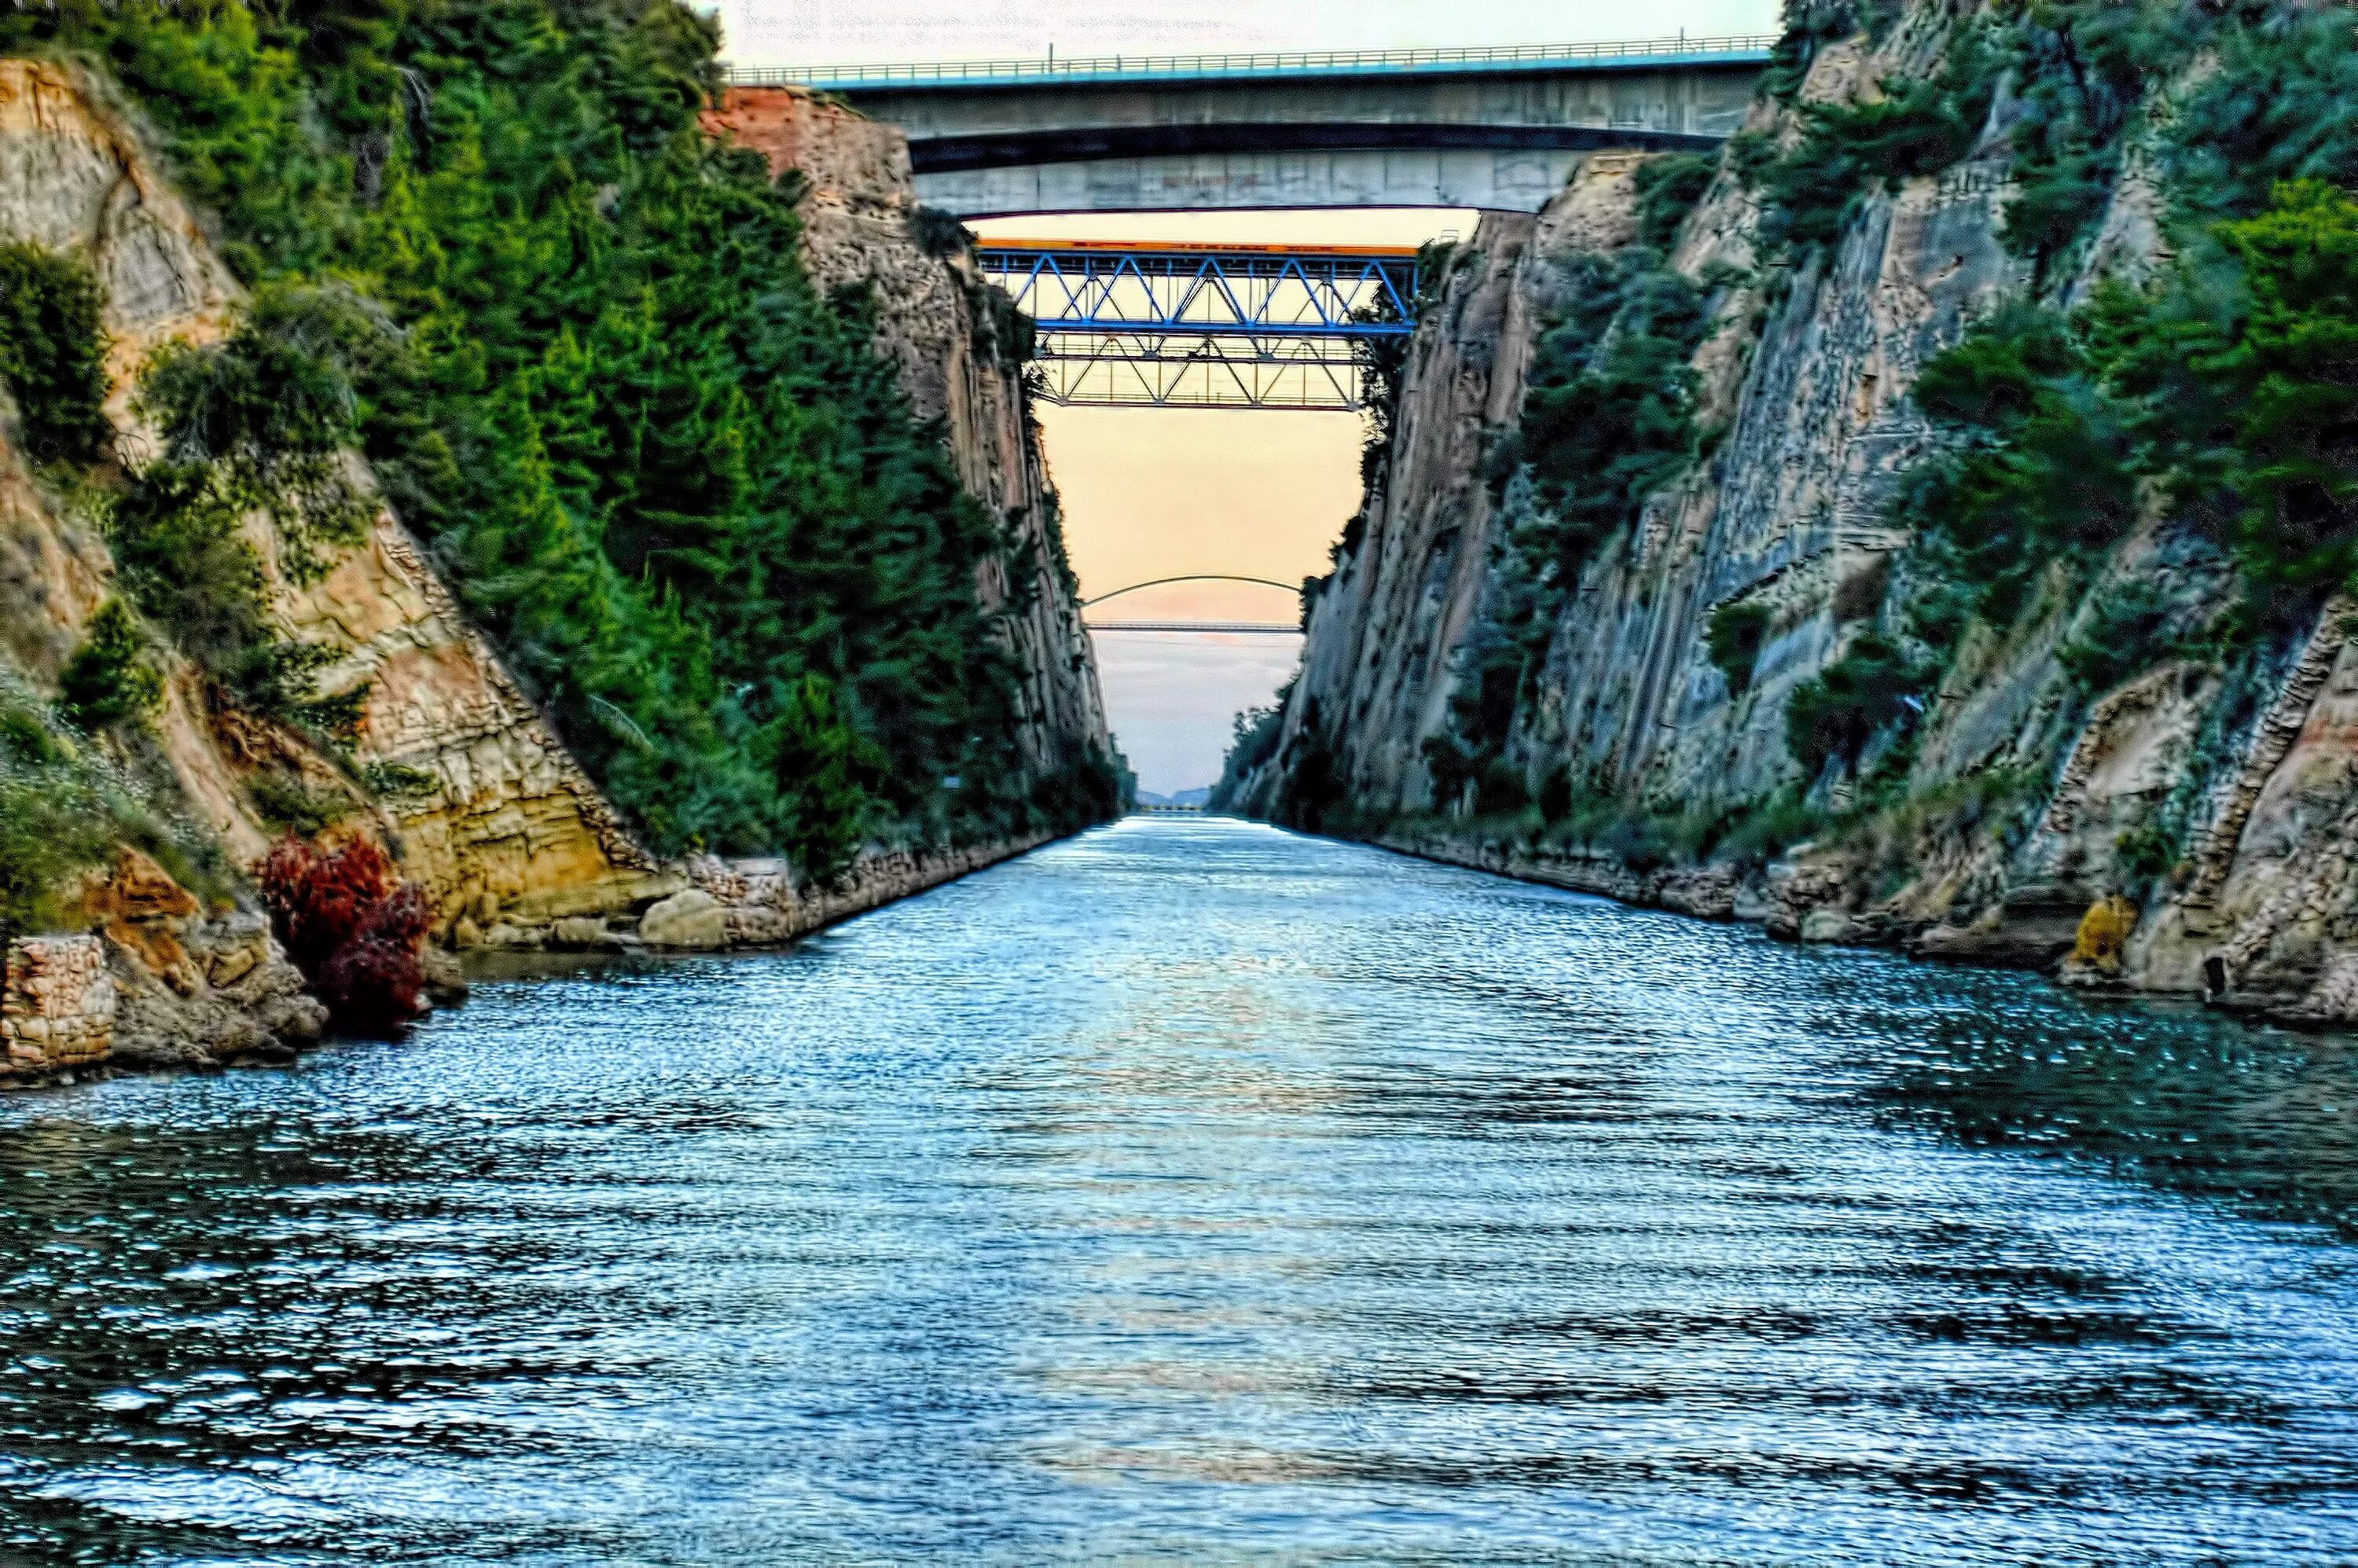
[(1496, 179), (1179, 371), (1492, 135)]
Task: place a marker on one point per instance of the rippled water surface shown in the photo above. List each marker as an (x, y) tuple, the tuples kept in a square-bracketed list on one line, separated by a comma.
[(1192, 1192)]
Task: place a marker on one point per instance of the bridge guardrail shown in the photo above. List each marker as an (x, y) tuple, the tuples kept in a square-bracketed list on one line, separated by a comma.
[(1741, 48)]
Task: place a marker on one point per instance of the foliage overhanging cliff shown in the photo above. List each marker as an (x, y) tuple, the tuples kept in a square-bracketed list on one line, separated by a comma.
[(1955, 485), (490, 248)]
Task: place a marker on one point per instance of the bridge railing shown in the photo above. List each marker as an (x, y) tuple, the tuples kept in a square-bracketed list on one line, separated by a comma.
[(1739, 49)]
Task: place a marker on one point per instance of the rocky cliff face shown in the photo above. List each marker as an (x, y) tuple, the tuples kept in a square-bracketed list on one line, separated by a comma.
[(509, 838), (1806, 393), (506, 819), (957, 343), (497, 818)]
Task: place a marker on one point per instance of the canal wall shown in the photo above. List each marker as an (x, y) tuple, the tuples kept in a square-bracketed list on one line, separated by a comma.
[(960, 347), (2187, 825), (756, 902), (449, 762)]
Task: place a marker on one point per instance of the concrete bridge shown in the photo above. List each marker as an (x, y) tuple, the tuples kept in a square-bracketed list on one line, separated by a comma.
[(1496, 128)]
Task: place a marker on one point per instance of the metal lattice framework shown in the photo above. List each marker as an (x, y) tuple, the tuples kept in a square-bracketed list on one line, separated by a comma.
[(1162, 326)]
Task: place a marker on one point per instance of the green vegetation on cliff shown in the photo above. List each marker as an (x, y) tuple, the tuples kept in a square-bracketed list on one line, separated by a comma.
[(2149, 452), (52, 355), (492, 248)]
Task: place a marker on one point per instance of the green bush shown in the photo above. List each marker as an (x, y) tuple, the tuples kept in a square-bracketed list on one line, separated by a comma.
[(1811, 26), (263, 419), (2080, 68), (1668, 189), (53, 354), (176, 543), (289, 804), (1734, 635), (938, 234), (112, 676), (2041, 464), (2274, 108), (1253, 740), (1609, 415), (2287, 366), (1873, 686), (2124, 632), (61, 815)]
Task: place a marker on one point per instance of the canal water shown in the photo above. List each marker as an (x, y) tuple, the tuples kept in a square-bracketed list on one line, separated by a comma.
[(1193, 1191)]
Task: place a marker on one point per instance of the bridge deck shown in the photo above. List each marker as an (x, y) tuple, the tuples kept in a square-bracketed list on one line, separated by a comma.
[(1098, 70)]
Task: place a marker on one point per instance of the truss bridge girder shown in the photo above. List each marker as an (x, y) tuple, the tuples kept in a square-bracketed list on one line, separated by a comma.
[(1305, 291), (1126, 369)]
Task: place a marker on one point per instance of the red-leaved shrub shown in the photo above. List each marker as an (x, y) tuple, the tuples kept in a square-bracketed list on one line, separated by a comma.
[(351, 927)]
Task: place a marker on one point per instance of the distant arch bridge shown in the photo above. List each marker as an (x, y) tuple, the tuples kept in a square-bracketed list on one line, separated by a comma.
[(1496, 129), (1254, 628)]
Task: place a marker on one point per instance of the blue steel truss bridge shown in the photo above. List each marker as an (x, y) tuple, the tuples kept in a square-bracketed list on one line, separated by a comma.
[(1147, 325)]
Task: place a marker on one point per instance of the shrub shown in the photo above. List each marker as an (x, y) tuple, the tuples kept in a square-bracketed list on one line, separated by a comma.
[(2041, 460), (56, 819), (351, 927), (53, 353), (375, 981), (181, 553), (1809, 193), (936, 232), (1252, 738), (2275, 108), (1768, 828), (2122, 634), (2080, 67), (111, 678), (1735, 635), (1831, 717), (287, 803), (1810, 25), (1609, 417), (261, 420), (1668, 189), (835, 769)]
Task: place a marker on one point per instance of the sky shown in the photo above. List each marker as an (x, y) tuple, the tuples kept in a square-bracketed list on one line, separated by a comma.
[(1150, 493)]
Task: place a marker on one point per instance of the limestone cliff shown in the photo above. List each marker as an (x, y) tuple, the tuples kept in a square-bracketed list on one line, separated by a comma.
[(957, 343), (495, 818), (2020, 790), (450, 763), (506, 818)]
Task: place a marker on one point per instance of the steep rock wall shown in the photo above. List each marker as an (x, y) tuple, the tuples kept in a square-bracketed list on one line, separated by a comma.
[(954, 339), (505, 821), (1810, 391), (508, 818)]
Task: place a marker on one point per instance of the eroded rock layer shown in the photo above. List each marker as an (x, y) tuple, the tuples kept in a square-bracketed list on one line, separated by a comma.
[(1802, 399)]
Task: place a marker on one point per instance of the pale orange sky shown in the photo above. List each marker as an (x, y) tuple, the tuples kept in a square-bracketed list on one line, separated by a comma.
[(1163, 492)]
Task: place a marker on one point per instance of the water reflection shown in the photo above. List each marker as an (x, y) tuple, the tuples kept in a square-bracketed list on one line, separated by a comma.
[(1192, 1192), (2262, 1119)]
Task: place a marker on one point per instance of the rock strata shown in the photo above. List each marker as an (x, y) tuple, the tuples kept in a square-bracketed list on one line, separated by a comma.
[(1803, 392)]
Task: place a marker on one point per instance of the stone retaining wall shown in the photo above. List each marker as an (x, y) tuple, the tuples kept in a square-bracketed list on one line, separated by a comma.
[(755, 902), (57, 1008)]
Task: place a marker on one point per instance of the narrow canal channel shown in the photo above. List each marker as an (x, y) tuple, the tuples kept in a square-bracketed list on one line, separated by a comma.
[(1195, 1192)]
